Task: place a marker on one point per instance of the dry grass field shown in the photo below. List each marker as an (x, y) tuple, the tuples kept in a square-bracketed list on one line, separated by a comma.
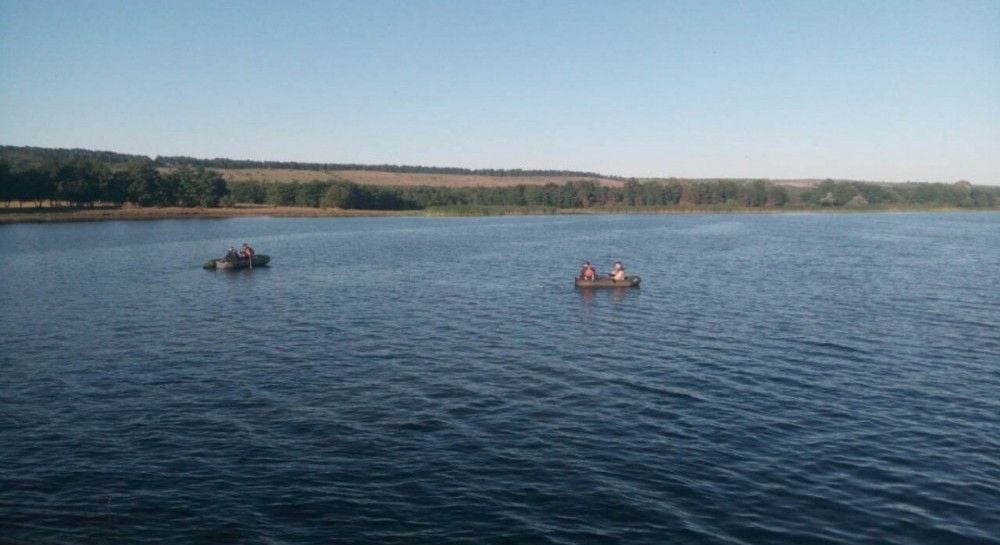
[(368, 177), (403, 179), (378, 178)]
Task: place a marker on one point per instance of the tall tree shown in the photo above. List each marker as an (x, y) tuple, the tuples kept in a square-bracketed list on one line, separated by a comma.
[(145, 185), (8, 191)]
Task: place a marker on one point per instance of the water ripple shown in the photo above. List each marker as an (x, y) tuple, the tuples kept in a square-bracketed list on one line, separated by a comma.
[(777, 379)]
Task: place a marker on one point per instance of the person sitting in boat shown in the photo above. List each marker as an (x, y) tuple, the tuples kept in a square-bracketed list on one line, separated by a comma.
[(247, 251), (231, 255), (617, 272), (588, 272)]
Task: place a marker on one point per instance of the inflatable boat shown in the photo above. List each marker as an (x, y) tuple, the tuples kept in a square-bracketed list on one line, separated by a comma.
[(259, 260), (629, 282)]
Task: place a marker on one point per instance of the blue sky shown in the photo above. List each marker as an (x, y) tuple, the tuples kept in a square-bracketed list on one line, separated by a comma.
[(864, 90)]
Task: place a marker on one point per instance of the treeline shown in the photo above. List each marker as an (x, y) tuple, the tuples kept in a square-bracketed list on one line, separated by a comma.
[(26, 157), (589, 194), (85, 182), (331, 194), (866, 194), (574, 194), (22, 157), (83, 178), (333, 167)]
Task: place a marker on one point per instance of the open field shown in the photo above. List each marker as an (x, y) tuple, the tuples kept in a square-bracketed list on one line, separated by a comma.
[(409, 179), (370, 177)]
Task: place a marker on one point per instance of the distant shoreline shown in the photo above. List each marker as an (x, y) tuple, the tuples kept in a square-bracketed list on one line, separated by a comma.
[(68, 215)]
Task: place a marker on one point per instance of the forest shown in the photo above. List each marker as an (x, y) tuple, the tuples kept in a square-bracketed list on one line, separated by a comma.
[(20, 157), (585, 194), (87, 182), (80, 178)]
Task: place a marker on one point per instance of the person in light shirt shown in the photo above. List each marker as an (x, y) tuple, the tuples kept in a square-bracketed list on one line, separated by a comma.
[(618, 271)]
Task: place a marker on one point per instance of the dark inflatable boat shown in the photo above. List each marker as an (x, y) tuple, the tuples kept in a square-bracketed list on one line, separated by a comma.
[(259, 260), (629, 282)]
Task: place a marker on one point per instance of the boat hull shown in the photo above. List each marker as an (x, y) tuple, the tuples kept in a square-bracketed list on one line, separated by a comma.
[(259, 260), (629, 282)]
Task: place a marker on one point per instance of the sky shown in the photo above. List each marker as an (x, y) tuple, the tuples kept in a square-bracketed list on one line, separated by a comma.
[(867, 90)]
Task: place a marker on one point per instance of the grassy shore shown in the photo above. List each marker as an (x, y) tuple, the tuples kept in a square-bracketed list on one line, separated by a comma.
[(33, 214)]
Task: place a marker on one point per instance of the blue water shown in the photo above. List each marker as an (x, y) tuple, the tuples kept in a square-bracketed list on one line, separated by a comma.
[(777, 379)]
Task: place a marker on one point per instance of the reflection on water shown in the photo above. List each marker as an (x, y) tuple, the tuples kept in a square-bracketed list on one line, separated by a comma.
[(587, 295)]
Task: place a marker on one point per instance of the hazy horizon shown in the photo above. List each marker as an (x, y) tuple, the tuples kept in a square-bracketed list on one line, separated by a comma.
[(891, 91)]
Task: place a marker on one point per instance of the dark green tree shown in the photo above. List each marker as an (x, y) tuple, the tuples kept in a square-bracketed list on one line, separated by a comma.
[(754, 194), (198, 186), (282, 194), (310, 194), (985, 197), (341, 195), (114, 189), (8, 189), (247, 192), (777, 195), (146, 187), (876, 194), (80, 181), (652, 194)]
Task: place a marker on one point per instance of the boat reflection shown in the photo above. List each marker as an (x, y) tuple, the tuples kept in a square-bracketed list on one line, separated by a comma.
[(587, 295)]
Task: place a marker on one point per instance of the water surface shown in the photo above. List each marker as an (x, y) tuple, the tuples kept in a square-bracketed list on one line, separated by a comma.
[(777, 379)]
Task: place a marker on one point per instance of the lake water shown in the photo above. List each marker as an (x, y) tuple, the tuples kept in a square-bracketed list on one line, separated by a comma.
[(776, 379)]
